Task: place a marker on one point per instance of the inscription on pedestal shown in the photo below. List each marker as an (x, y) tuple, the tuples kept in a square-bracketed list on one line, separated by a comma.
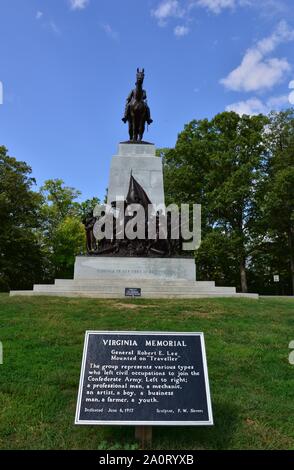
[(107, 267)]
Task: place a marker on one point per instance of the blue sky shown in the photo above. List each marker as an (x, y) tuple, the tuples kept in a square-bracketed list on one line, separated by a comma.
[(66, 67)]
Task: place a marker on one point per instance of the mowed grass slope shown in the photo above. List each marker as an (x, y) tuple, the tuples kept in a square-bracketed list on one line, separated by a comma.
[(251, 380)]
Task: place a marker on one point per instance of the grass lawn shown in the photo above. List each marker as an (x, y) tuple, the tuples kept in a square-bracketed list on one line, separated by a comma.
[(251, 380)]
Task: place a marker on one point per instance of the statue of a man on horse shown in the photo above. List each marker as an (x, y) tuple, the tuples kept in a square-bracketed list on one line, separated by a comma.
[(137, 111)]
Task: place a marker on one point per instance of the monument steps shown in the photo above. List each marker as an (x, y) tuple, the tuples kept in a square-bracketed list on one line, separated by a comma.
[(115, 288), (150, 295), (140, 282)]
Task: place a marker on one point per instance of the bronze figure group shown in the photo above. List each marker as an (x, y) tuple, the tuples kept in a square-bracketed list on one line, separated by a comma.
[(119, 244)]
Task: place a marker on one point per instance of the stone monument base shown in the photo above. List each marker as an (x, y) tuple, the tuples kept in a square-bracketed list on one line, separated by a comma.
[(118, 267), (107, 277)]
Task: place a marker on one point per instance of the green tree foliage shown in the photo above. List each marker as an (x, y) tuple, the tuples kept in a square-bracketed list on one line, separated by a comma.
[(40, 232), (85, 207), (278, 191), (58, 203), (63, 235), (68, 241), (218, 164), (20, 254)]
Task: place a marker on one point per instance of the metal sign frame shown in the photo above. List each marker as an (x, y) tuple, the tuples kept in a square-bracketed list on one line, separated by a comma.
[(208, 422)]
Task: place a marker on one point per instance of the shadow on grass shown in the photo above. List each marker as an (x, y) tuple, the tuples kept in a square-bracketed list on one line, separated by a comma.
[(219, 436)]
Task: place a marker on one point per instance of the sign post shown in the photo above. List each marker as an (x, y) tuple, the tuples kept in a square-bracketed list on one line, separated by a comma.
[(276, 281), (143, 434), (144, 379)]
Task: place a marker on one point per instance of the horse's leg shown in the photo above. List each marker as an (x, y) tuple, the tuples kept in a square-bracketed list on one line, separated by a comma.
[(130, 129), (142, 128), (135, 131)]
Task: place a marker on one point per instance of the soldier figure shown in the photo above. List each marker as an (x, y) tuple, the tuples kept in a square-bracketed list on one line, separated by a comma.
[(89, 222), (134, 96)]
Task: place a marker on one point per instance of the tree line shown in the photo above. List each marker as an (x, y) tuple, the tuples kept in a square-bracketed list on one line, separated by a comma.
[(239, 168)]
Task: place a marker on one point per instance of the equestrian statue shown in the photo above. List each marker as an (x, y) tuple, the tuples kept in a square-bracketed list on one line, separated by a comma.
[(137, 111)]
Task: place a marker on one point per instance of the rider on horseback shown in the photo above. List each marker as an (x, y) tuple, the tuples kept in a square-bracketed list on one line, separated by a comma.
[(134, 96)]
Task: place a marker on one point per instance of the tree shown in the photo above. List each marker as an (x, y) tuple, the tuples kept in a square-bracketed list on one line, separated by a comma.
[(68, 241), (236, 172), (219, 164), (58, 202), (20, 253), (85, 207), (278, 187), (62, 232)]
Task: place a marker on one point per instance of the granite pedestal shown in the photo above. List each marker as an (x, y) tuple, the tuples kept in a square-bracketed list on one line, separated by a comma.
[(141, 160), (99, 267)]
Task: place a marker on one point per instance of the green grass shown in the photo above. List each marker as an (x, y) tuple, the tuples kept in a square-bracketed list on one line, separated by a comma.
[(251, 380)]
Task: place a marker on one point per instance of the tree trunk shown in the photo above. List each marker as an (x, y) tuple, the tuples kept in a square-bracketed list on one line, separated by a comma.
[(290, 238), (243, 276)]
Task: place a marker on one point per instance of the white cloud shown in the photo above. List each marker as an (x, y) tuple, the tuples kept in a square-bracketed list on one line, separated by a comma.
[(109, 31), (39, 15), (256, 72), (268, 7), (251, 106), (254, 106), (178, 9), (180, 31), (167, 9), (216, 6), (276, 102), (78, 4), (282, 34)]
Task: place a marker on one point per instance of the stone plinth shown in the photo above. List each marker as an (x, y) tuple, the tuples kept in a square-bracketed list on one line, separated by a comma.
[(146, 168), (136, 150), (99, 267)]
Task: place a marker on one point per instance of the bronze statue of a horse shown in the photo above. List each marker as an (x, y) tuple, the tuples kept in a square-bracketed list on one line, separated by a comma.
[(137, 112)]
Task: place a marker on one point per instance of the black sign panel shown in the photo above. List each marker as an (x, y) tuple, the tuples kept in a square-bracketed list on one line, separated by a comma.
[(132, 292), (144, 378)]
